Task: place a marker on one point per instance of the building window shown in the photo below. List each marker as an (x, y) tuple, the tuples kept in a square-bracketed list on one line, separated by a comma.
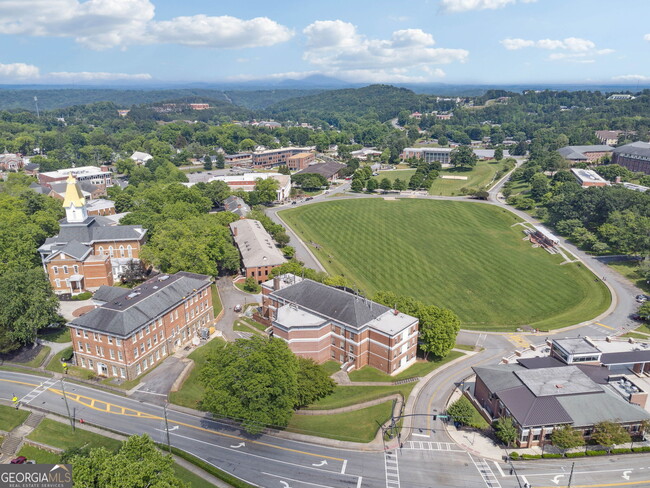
[(141, 334), (142, 348), (164, 350), (85, 334), (147, 329), (110, 251), (121, 251), (57, 282), (110, 339), (135, 352), (101, 250), (187, 317), (161, 335), (88, 347), (114, 370), (176, 313), (122, 372), (138, 370), (65, 270), (90, 363), (83, 362), (119, 355), (112, 353), (145, 364), (97, 350), (148, 343), (157, 355), (129, 250), (81, 346), (78, 332), (55, 269), (118, 342), (76, 269), (155, 339), (351, 348)]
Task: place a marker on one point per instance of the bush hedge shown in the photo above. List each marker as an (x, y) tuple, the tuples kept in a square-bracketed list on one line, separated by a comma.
[(575, 454), (83, 296), (596, 453), (551, 456), (514, 455)]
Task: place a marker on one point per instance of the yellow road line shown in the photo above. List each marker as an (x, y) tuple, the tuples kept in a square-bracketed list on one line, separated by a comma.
[(90, 403), (603, 325)]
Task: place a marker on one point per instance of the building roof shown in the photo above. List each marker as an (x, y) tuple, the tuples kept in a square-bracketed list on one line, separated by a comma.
[(127, 314), (291, 316), (73, 195), (577, 153), (110, 293), (99, 204), (141, 156), (562, 380), (75, 249), (540, 362), (80, 171), (588, 176), (576, 346), (530, 410), (327, 169), (608, 405), (629, 357), (635, 149), (255, 245), (236, 205), (303, 154), (499, 377), (32, 166)]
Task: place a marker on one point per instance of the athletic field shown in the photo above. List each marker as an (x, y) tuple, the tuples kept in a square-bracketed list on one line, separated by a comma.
[(462, 255)]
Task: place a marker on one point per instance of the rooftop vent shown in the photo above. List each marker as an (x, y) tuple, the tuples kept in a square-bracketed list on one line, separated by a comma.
[(163, 278)]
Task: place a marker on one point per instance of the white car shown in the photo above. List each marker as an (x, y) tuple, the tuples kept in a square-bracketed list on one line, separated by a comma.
[(237, 308)]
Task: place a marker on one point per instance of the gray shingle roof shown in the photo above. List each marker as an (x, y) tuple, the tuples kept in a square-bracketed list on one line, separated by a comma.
[(635, 148), (328, 169), (578, 152), (499, 377), (236, 205), (95, 229), (564, 380), (331, 302), (586, 410), (110, 293), (255, 245), (75, 249), (123, 317), (625, 357), (576, 346), (531, 411)]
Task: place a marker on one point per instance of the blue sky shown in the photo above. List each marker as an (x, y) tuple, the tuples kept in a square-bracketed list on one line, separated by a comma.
[(450, 41)]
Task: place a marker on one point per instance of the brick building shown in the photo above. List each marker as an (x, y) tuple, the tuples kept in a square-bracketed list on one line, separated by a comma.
[(91, 174), (428, 154), (276, 157), (585, 154), (634, 156), (300, 161), (247, 182), (322, 323), (133, 330), (89, 251), (259, 255)]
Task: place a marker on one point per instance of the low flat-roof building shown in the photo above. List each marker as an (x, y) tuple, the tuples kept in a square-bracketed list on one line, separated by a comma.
[(428, 154), (584, 154), (247, 182), (276, 157), (134, 329), (587, 177), (141, 157), (259, 253), (634, 156), (90, 174), (322, 323), (329, 169), (300, 160)]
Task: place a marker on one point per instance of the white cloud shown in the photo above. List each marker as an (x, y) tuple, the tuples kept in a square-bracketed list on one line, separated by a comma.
[(97, 76), (466, 5), (514, 44), (646, 37), (572, 49), (631, 78), (103, 24), (339, 50), (18, 71)]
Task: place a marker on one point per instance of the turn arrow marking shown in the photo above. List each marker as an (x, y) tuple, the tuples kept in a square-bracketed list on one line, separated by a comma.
[(626, 475), (285, 484), (556, 480), (322, 463), (241, 444)]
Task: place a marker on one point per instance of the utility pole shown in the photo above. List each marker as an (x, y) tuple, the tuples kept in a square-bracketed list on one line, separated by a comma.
[(169, 446), (67, 407), (573, 465)]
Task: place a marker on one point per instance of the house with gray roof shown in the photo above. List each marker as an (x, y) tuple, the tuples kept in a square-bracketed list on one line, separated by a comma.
[(133, 330), (542, 394), (259, 254), (237, 206), (634, 156), (323, 322)]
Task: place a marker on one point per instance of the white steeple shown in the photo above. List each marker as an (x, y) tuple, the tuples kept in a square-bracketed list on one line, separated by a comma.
[(74, 202)]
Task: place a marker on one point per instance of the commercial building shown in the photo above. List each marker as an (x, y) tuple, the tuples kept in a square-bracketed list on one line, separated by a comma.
[(329, 169), (322, 323), (133, 330), (365, 153), (634, 156), (428, 154), (587, 177), (89, 174), (300, 160), (259, 254), (584, 154), (89, 251), (238, 158), (276, 157), (247, 182)]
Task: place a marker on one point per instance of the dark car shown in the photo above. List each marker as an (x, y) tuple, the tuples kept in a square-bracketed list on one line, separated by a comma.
[(294, 202), (19, 460), (309, 198)]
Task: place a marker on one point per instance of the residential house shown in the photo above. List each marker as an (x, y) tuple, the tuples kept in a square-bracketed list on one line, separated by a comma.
[(135, 329), (10, 161), (237, 206)]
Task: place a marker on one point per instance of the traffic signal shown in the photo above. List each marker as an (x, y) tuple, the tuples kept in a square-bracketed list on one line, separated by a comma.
[(435, 417)]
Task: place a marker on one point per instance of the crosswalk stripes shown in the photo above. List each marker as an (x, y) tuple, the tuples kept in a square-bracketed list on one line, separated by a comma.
[(50, 382), (432, 446), (486, 473), (392, 469)]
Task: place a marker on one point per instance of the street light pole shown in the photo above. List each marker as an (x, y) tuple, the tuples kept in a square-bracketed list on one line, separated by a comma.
[(573, 465), (169, 446), (67, 407)]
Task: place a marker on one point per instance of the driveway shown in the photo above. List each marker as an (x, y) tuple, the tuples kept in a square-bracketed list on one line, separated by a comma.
[(155, 386), (231, 296)]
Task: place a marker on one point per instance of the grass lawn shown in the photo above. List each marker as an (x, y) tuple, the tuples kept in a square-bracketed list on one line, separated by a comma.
[(60, 334), (464, 256), (216, 301), (358, 426), (41, 456), (420, 368), (10, 418), (191, 392), (331, 367), (641, 337), (241, 285), (58, 434), (187, 476), (40, 357), (465, 347), (402, 174), (243, 327), (55, 362), (630, 269), (479, 176), (252, 323), (351, 395)]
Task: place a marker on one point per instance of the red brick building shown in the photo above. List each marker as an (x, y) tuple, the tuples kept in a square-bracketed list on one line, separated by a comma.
[(322, 323), (136, 329), (259, 254), (275, 157), (300, 161)]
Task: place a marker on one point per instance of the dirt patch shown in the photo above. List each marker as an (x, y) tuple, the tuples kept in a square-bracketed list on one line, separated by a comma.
[(83, 310), (23, 355)]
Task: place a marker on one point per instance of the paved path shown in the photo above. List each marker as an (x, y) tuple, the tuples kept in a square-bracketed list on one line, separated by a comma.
[(231, 296)]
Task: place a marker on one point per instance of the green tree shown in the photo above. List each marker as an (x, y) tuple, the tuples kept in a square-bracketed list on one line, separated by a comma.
[(385, 184), (644, 311), (609, 434), (566, 437), (136, 464), (267, 190), (357, 185), (505, 430), (538, 186), (284, 170), (255, 380), (399, 185), (438, 330), (463, 156), (313, 382), (27, 304), (443, 141), (463, 412), (207, 163), (221, 161), (251, 285), (498, 153), (371, 185), (289, 251)]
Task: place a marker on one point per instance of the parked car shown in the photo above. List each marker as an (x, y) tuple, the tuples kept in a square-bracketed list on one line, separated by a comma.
[(294, 202), (309, 198), (19, 460), (641, 298), (237, 308)]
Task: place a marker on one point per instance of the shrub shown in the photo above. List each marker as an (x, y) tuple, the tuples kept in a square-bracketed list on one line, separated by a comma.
[(623, 450), (596, 453), (641, 449), (250, 285), (83, 296), (514, 455), (531, 456), (575, 454), (551, 456)]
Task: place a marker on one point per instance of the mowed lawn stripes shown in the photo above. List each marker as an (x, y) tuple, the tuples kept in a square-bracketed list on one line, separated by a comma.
[(461, 255)]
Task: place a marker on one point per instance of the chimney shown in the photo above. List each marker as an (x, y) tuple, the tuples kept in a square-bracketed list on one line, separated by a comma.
[(104, 168), (276, 283), (617, 180), (234, 230)]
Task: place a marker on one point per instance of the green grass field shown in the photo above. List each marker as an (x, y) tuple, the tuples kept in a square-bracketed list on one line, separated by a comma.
[(10, 418), (479, 176), (630, 269), (344, 396), (465, 256), (420, 368), (58, 434)]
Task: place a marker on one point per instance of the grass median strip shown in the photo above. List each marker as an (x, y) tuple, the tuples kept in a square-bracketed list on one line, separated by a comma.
[(58, 434), (10, 418)]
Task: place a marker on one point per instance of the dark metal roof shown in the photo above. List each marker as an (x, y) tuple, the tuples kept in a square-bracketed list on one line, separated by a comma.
[(628, 357), (499, 377), (96, 229), (578, 152), (531, 411), (538, 363), (129, 313), (635, 148), (331, 302), (328, 169)]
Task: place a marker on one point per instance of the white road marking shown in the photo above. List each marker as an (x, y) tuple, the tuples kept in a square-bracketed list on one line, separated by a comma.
[(391, 469), (297, 481), (626, 475), (486, 473), (322, 463), (556, 479), (359, 482), (499, 468), (345, 463), (525, 480), (421, 435), (241, 444)]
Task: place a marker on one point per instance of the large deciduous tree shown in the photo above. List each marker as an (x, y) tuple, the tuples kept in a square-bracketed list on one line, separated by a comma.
[(266, 190), (505, 430), (313, 382), (27, 304), (566, 437), (463, 156), (609, 434)]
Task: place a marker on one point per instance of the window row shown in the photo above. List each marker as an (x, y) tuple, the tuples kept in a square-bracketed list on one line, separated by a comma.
[(65, 269), (128, 252)]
